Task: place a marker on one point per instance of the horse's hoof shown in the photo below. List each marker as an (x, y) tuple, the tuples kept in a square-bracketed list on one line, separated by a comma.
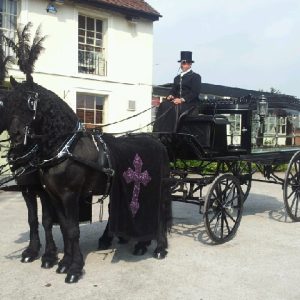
[(47, 264), (160, 254), (62, 270), (28, 259), (72, 278)]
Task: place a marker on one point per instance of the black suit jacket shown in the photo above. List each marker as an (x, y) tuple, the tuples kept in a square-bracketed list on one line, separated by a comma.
[(187, 87)]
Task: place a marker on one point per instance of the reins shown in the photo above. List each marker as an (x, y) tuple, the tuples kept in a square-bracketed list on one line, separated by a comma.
[(137, 129)]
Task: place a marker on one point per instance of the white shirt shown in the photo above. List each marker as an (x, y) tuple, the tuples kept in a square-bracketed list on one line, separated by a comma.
[(183, 73)]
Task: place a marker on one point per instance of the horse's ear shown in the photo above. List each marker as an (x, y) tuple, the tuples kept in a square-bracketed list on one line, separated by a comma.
[(13, 81)]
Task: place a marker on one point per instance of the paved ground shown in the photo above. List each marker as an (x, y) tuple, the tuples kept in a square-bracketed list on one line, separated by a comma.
[(261, 262)]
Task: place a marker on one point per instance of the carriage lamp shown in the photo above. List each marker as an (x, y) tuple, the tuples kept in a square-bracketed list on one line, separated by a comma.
[(262, 106), (262, 111)]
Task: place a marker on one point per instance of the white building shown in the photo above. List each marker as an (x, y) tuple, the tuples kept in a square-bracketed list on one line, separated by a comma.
[(98, 57)]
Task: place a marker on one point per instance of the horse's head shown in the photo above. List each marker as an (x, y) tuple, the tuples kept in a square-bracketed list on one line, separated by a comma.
[(19, 110), (34, 111)]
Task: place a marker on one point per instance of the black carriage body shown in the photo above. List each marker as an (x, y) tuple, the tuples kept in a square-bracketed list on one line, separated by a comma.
[(232, 127)]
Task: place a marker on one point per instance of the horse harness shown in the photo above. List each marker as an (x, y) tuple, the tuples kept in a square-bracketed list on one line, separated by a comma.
[(29, 160)]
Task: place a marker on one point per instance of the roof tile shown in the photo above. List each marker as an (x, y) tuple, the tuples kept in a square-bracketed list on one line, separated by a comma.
[(135, 5)]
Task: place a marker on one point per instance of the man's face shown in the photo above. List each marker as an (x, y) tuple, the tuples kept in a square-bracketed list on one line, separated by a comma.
[(185, 66)]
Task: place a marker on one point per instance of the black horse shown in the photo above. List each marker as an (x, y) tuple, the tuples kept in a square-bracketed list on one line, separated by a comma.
[(30, 187), (74, 164)]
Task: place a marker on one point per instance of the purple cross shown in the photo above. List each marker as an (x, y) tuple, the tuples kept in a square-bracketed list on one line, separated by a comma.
[(137, 177)]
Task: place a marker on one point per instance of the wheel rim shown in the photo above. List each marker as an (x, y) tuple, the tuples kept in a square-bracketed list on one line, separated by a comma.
[(223, 208), (291, 190)]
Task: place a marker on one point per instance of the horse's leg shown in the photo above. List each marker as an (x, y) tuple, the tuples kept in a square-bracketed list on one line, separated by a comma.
[(32, 251), (141, 247), (164, 224), (49, 258), (70, 226), (162, 243), (65, 263)]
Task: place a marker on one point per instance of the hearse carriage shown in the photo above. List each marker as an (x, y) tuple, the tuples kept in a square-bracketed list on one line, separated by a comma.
[(223, 146)]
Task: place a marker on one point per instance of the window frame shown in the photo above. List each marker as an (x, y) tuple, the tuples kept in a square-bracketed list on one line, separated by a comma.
[(91, 57), (85, 109)]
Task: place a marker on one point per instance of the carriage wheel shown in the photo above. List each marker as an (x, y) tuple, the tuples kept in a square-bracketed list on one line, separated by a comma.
[(291, 188), (223, 208), (243, 171)]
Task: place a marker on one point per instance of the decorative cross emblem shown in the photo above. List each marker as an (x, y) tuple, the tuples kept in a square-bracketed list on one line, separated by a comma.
[(137, 177)]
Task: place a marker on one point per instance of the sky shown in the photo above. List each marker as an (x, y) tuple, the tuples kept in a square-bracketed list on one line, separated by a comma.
[(251, 44)]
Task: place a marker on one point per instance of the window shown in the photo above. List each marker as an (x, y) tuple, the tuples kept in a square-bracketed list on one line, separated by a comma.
[(90, 109), (8, 19), (234, 129), (281, 125), (91, 58)]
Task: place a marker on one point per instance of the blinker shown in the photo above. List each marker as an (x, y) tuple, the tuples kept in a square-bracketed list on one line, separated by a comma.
[(32, 103)]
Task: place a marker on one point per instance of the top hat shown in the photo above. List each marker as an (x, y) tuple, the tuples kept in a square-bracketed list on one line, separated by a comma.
[(186, 56)]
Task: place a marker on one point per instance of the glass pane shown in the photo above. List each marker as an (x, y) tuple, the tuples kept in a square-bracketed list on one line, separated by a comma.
[(99, 102), (80, 39), (90, 41), (81, 32), (98, 26), (1, 6), (99, 43), (80, 101), (89, 101), (81, 21), (89, 48), (99, 36), (89, 116), (90, 34), (98, 117), (90, 24)]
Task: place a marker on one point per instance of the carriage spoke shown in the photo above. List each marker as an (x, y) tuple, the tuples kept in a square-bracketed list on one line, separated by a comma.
[(289, 196), (216, 214), (228, 214), (216, 225), (227, 225), (222, 225)]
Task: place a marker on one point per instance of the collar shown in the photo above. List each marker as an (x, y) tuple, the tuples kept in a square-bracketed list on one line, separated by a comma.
[(187, 71)]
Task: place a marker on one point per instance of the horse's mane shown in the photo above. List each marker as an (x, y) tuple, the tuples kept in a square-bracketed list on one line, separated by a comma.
[(55, 120)]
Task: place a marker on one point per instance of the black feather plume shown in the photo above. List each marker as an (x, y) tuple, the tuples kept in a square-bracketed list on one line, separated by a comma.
[(27, 53)]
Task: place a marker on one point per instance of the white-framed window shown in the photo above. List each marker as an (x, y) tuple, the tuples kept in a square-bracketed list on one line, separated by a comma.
[(91, 52), (90, 109), (275, 125), (281, 125), (234, 129), (8, 19)]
